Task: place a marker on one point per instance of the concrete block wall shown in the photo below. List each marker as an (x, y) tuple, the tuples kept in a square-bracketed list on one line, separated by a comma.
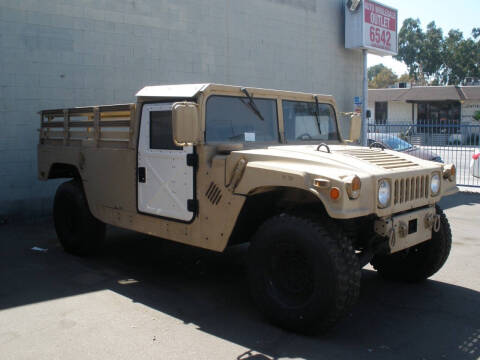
[(64, 53)]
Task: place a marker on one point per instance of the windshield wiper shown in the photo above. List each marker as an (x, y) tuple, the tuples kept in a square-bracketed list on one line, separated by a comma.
[(317, 114), (252, 104)]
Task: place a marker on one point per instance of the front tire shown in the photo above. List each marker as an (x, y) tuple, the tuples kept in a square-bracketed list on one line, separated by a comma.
[(421, 261), (302, 276), (78, 231)]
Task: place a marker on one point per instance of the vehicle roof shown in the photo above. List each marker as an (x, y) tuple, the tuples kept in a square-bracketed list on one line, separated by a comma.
[(172, 91), (193, 90)]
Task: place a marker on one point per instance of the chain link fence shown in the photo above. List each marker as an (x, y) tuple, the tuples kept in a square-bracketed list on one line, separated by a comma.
[(448, 142)]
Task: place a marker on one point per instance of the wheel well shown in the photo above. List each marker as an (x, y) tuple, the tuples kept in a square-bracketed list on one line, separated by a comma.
[(60, 170), (267, 202)]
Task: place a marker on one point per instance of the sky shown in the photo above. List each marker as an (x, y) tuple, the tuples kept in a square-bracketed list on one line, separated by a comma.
[(447, 14)]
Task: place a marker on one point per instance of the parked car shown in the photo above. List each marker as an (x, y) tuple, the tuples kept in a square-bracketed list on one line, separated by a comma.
[(393, 142)]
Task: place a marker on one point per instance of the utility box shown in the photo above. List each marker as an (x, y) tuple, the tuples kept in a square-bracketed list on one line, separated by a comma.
[(372, 26)]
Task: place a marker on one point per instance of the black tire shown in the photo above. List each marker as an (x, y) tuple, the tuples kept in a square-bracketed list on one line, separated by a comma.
[(78, 231), (302, 276), (419, 262)]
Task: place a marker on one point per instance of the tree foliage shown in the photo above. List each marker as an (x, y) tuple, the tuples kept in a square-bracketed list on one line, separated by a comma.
[(432, 58), (383, 78)]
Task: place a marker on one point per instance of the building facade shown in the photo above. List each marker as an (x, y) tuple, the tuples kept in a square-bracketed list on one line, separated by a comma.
[(454, 105), (65, 53)]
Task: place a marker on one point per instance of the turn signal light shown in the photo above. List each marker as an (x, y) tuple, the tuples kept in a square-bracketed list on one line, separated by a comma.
[(450, 172), (354, 185), (335, 193)]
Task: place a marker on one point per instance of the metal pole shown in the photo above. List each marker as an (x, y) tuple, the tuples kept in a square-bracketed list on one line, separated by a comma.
[(365, 99)]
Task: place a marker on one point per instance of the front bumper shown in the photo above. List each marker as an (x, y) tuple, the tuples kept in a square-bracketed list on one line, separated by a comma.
[(407, 229)]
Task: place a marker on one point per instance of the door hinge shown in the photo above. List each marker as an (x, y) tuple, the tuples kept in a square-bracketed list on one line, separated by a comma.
[(192, 160), (192, 205)]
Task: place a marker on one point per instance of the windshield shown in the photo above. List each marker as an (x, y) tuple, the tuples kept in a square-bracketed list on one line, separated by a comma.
[(303, 122), (233, 119), (396, 143)]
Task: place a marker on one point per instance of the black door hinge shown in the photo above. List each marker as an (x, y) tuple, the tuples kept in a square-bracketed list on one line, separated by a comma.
[(192, 160), (192, 205)]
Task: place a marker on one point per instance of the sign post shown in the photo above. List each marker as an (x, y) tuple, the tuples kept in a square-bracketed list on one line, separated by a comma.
[(370, 27)]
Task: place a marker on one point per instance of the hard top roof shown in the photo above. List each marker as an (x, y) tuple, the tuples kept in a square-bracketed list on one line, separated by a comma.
[(192, 90)]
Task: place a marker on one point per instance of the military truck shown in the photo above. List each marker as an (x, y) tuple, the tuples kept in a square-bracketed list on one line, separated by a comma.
[(213, 166)]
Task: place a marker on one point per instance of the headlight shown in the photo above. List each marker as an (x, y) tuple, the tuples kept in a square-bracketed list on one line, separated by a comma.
[(435, 184), (383, 193), (354, 185)]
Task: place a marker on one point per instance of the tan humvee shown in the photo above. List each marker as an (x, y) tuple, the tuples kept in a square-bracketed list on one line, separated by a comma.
[(213, 165)]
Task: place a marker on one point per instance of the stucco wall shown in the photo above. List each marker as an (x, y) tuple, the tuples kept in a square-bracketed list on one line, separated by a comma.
[(398, 112), (469, 108), (63, 53)]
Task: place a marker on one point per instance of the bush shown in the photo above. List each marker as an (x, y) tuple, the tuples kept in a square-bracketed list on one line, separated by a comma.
[(476, 116)]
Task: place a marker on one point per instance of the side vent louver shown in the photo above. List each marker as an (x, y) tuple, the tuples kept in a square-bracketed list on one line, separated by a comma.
[(214, 194)]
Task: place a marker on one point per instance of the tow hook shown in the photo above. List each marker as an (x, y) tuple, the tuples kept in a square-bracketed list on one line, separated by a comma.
[(432, 221), (436, 226)]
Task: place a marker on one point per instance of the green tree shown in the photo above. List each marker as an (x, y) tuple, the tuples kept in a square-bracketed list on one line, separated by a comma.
[(383, 79), (461, 57), (406, 78), (374, 70), (432, 58)]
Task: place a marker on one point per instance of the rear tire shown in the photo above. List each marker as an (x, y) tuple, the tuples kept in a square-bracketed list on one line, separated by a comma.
[(303, 277), (78, 231), (419, 262)]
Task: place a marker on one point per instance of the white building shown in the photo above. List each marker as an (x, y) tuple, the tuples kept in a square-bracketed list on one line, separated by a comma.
[(64, 53), (424, 104)]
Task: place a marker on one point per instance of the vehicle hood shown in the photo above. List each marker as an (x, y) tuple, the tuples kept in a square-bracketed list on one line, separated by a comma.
[(342, 160)]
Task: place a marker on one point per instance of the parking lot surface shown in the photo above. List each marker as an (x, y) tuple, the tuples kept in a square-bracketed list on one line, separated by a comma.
[(146, 298)]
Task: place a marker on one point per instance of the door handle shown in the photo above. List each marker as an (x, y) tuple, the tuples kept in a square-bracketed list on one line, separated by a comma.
[(142, 175)]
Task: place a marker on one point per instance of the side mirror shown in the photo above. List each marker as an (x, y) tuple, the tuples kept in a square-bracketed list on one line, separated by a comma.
[(186, 124), (355, 128)]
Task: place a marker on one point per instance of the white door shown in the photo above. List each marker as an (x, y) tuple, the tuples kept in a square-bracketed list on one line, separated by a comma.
[(165, 180)]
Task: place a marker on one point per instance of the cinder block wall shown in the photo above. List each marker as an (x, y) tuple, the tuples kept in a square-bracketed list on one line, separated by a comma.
[(63, 53)]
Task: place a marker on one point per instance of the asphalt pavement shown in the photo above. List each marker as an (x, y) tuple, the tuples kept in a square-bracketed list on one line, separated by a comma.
[(146, 298)]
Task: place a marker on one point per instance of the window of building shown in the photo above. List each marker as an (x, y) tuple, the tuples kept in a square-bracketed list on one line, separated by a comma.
[(439, 117), (381, 112), (161, 131)]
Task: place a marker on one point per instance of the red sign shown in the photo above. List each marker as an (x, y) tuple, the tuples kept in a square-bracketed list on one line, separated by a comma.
[(380, 27)]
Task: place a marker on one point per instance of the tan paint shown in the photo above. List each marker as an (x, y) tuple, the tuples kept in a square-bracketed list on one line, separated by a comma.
[(106, 161)]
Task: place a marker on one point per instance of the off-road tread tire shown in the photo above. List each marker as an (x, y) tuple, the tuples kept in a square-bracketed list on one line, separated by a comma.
[(316, 236), (87, 234), (402, 267)]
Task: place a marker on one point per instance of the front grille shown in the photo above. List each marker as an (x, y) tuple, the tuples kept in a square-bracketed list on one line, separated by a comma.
[(410, 189)]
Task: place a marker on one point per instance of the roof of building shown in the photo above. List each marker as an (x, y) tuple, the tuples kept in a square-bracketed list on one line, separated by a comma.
[(426, 93)]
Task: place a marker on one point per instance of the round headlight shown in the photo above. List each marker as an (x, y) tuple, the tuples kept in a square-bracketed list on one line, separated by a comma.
[(383, 193), (435, 184)]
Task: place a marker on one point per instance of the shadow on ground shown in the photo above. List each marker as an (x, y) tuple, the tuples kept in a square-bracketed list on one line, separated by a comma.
[(433, 320), (460, 198)]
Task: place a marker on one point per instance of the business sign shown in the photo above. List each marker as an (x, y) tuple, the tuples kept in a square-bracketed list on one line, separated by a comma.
[(380, 30), (372, 26)]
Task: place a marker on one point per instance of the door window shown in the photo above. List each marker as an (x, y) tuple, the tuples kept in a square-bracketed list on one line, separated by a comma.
[(161, 131)]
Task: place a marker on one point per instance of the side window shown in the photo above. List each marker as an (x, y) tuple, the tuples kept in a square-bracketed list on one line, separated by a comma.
[(161, 131)]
